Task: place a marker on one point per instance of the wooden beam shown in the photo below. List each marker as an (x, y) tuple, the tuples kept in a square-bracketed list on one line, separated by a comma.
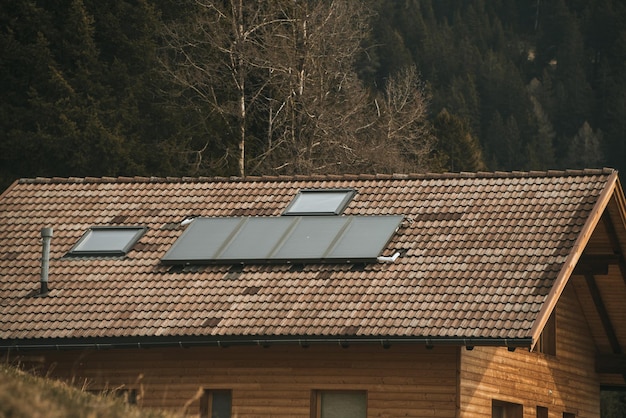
[(618, 195), (595, 265), (603, 314), (570, 262), (615, 245), (611, 363), (612, 259)]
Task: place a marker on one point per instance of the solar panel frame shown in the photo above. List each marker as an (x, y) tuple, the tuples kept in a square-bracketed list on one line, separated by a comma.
[(310, 238), (327, 202), (244, 243), (194, 247), (292, 239), (364, 237), (102, 241)]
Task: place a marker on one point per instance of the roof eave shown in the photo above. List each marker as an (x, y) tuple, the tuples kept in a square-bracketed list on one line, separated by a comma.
[(264, 341), (573, 257)]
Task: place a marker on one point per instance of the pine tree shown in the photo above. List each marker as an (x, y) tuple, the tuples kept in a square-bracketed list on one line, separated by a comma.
[(461, 150), (585, 150), (541, 146)]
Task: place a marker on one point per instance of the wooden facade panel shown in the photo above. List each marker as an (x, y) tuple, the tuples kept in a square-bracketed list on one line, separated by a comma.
[(566, 382), (613, 292), (590, 314), (403, 380)]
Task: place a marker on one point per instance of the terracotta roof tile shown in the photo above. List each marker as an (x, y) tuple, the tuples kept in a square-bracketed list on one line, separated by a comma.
[(480, 252)]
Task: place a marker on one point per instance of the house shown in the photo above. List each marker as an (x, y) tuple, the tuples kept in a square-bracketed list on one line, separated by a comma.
[(445, 295)]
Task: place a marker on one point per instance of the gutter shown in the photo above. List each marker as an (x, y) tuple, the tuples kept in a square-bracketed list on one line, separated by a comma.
[(264, 341)]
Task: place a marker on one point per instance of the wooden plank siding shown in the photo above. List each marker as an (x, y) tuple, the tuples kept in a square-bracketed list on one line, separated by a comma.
[(566, 382), (403, 380)]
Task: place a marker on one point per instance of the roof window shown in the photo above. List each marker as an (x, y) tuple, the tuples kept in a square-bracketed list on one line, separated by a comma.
[(320, 202), (107, 241)]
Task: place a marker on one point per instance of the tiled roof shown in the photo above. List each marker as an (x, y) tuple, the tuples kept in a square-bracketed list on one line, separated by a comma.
[(480, 253)]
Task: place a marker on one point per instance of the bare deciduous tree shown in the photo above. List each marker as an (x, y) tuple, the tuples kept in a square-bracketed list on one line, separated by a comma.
[(280, 75), (217, 56), (404, 123)]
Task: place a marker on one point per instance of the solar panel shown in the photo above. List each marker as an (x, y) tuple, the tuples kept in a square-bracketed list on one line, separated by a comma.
[(283, 239), (310, 238), (255, 239), (365, 237), (202, 239)]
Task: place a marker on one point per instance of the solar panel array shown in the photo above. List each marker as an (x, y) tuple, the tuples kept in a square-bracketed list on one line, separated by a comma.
[(283, 239)]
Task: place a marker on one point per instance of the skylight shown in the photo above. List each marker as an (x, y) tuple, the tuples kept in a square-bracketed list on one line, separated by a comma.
[(107, 241), (320, 202)]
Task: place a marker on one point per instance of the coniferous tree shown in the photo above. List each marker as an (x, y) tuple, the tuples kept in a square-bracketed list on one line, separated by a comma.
[(541, 146), (66, 133), (461, 149), (586, 149), (25, 62), (82, 94), (84, 101)]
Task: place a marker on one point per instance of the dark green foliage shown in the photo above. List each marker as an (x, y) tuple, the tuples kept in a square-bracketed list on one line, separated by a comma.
[(82, 95), (83, 92), (456, 142), (545, 68)]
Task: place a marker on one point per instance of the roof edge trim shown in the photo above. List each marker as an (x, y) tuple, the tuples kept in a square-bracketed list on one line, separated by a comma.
[(226, 341), (8, 189), (323, 177), (573, 257)]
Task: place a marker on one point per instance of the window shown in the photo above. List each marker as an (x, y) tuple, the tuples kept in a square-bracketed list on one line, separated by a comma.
[(568, 415), (320, 202), (547, 339), (107, 241), (542, 412), (339, 404), (500, 409), (216, 403)]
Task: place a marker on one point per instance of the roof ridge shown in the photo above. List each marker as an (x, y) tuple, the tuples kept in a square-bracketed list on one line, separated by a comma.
[(320, 177)]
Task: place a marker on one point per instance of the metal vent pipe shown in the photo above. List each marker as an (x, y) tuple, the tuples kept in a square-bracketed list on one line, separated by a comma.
[(46, 235)]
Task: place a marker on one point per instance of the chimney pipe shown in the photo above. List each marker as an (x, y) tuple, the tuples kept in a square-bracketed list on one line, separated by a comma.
[(46, 235)]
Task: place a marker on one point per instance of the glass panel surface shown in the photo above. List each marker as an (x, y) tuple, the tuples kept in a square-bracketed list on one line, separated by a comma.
[(283, 239), (220, 403), (330, 202), (256, 239), (107, 240), (202, 240), (365, 237), (310, 238), (343, 404)]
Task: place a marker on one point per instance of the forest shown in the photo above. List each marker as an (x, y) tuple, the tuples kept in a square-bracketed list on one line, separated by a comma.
[(234, 88)]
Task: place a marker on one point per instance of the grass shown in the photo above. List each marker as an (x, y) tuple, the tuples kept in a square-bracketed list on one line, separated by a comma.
[(25, 395)]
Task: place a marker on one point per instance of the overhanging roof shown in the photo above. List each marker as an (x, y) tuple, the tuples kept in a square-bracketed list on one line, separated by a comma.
[(480, 256)]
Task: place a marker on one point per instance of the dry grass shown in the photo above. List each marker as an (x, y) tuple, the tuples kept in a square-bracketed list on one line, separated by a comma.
[(25, 395)]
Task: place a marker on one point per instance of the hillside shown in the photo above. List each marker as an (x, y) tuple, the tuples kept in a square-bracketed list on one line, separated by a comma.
[(25, 395), (94, 88)]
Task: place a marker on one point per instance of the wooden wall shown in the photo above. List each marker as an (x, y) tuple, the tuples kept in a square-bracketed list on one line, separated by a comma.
[(566, 382), (403, 380)]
